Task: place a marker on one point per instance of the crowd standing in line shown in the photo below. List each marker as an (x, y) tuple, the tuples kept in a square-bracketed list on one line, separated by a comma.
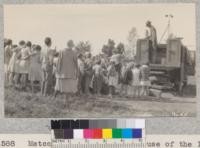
[(66, 71)]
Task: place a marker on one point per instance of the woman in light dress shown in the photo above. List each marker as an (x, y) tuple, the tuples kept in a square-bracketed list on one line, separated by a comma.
[(13, 64), (24, 64), (35, 70)]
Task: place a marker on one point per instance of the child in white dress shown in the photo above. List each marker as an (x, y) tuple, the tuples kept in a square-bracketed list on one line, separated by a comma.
[(145, 82), (136, 80), (19, 64)]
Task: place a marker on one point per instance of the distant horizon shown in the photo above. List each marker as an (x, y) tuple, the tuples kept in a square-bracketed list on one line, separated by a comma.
[(96, 23)]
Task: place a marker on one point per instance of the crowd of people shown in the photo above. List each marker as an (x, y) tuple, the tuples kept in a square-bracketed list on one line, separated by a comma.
[(29, 66)]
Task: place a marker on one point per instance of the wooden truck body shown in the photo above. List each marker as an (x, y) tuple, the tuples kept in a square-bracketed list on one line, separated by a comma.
[(171, 63)]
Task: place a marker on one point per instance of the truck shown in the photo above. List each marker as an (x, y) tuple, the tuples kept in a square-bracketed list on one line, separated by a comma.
[(172, 66)]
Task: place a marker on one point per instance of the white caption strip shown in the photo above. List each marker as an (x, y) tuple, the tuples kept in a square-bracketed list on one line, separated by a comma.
[(152, 141)]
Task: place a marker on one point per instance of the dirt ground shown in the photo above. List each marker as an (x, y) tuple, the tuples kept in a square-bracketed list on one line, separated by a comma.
[(20, 104)]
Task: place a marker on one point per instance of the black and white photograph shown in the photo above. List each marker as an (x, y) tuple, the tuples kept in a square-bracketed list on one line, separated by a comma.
[(99, 60)]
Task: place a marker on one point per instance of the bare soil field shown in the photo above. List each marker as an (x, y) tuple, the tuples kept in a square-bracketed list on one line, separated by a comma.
[(19, 104)]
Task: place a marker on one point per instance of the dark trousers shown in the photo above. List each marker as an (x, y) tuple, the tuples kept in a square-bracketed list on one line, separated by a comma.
[(152, 52)]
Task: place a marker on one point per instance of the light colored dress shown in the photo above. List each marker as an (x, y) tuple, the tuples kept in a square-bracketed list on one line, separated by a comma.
[(97, 69), (35, 70), (112, 76), (81, 66), (7, 57), (24, 61), (145, 72), (66, 78), (117, 58), (13, 65), (136, 77)]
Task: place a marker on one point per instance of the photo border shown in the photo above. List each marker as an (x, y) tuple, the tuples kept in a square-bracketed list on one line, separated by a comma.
[(154, 125)]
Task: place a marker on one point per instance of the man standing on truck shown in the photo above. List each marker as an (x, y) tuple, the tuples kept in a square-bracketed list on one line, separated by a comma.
[(152, 42)]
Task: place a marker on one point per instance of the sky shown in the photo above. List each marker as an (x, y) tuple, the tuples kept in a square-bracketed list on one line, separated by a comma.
[(96, 22)]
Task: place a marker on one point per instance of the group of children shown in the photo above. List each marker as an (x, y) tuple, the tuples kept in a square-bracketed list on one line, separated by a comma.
[(97, 75), (27, 64), (131, 80), (113, 76)]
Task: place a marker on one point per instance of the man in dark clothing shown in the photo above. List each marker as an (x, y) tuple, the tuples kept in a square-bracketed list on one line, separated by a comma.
[(152, 42)]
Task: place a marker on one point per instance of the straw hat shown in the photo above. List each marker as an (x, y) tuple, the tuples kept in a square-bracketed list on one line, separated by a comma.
[(148, 23)]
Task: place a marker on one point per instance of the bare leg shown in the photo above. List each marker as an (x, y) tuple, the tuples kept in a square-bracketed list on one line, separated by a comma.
[(32, 86), (11, 77), (16, 77), (45, 88), (55, 93), (147, 90), (134, 91), (113, 90), (125, 89), (139, 89), (6, 78), (43, 82), (142, 91), (110, 91), (87, 84), (22, 81), (26, 79), (99, 86), (42, 87)]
